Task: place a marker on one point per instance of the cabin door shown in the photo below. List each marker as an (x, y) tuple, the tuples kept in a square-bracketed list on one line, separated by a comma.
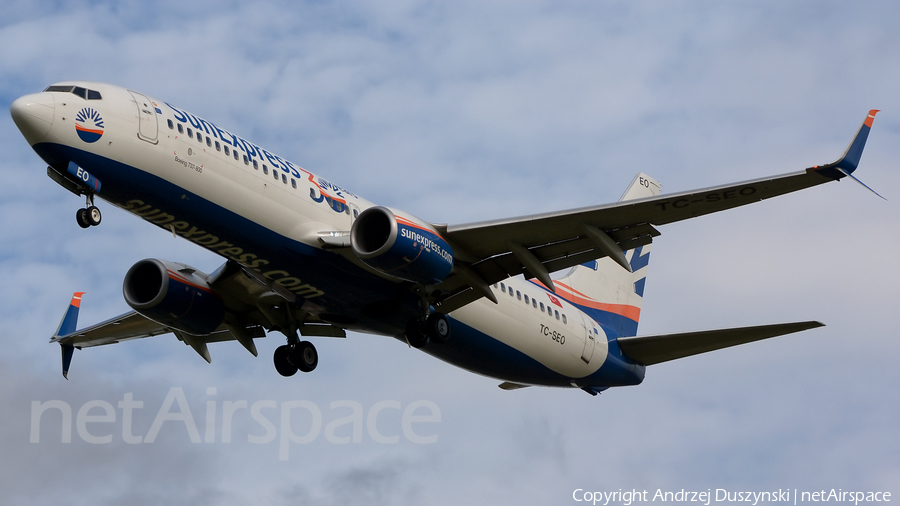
[(148, 129)]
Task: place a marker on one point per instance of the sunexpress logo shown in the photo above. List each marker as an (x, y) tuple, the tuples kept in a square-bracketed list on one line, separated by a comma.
[(336, 195), (251, 150), (89, 125)]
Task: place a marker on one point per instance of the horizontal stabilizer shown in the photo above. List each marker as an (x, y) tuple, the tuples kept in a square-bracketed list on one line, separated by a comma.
[(649, 350)]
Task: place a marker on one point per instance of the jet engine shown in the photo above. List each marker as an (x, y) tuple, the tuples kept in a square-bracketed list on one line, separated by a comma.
[(401, 246), (173, 294)]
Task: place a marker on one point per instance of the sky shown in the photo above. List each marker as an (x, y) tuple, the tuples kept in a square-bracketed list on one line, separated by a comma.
[(457, 113)]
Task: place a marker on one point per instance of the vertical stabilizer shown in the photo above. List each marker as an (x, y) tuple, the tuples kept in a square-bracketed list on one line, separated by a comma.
[(609, 294), (641, 186)]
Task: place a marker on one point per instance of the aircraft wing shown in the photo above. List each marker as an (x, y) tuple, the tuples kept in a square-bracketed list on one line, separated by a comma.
[(133, 325), (252, 304), (536, 245), (649, 350), (121, 328)]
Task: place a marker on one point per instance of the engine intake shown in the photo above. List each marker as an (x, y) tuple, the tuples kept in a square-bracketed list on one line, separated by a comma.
[(173, 294), (401, 246)]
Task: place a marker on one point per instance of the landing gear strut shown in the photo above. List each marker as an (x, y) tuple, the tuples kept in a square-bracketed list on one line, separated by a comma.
[(89, 216)]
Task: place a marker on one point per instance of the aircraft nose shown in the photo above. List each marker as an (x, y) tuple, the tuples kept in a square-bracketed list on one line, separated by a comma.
[(33, 114)]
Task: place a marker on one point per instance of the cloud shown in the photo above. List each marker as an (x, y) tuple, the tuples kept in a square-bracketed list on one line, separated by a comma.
[(461, 113)]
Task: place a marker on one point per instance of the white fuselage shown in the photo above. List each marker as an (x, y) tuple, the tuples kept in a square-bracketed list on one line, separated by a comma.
[(246, 204)]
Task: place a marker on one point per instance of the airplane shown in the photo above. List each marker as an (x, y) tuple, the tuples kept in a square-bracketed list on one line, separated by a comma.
[(306, 257)]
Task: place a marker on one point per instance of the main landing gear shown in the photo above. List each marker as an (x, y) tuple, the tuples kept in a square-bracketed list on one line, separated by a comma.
[(434, 329), (89, 216), (296, 355), (290, 358)]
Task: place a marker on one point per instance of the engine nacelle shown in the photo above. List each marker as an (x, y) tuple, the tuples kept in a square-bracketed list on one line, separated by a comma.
[(172, 294), (401, 246)]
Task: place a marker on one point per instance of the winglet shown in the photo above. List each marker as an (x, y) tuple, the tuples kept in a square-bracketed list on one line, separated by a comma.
[(70, 319), (67, 326), (850, 160), (67, 351)]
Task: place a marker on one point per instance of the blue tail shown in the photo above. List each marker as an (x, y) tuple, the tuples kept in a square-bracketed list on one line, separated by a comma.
[(605, 289)]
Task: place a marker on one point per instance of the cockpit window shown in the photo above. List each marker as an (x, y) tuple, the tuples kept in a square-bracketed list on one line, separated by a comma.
[(59, 88), (77, 90)]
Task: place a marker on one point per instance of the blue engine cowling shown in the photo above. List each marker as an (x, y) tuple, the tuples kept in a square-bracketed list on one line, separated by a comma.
[(401, 246), (173, 294)]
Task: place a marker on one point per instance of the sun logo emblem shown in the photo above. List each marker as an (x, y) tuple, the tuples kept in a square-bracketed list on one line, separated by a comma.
[(89, 125)]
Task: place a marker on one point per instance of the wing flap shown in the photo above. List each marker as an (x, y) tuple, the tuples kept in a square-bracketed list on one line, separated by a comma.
[(127, 326), (649, 350)]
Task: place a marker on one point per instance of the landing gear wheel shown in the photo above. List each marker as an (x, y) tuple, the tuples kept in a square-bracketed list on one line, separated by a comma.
[(415, 335), (81, 216), (93, 215), (438, 328), (304, 356), (282, 364)]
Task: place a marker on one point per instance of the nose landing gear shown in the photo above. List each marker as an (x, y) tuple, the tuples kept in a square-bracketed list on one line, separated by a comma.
[(89, 216)]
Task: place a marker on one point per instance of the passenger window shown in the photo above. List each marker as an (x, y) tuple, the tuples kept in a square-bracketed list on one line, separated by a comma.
[(209, 142), (518, 295), (564, 318), (190, 133), (235, 154), (542, 307), (294, 182), (526, 299), (502, 287), (199, 137), (510, 291), (180, 129), (227, 151), (557, 314), (218, 146), (275, 174), (255, 165), (171, 125), (284, 179), (534, 302), (246, 160), (265, 170)]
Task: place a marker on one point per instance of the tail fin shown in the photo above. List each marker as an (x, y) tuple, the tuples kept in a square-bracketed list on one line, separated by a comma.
[(609, 294)]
